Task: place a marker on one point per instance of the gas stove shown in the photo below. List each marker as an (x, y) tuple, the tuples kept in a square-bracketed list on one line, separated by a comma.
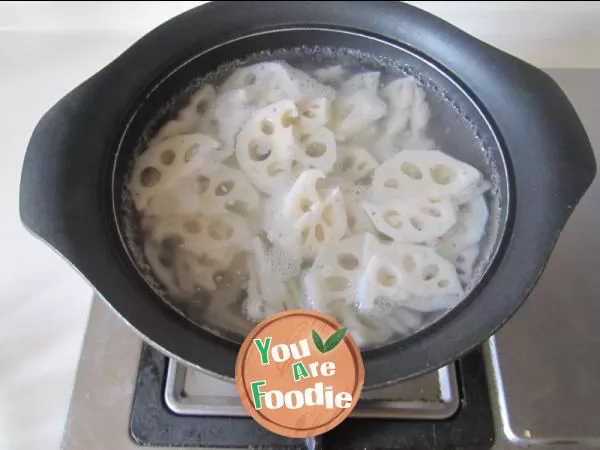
[(535, 384)]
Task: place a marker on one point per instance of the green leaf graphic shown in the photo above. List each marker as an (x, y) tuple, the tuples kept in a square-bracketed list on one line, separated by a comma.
[(318, 341), (334, 340)]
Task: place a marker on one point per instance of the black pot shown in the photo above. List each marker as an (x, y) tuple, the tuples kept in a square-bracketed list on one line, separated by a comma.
[(79, 152)]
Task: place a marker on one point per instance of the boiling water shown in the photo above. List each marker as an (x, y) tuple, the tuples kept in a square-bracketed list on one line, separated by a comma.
[(275, 186)]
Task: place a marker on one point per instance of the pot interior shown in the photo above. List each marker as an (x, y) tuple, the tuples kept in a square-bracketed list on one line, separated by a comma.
[(459, 125)]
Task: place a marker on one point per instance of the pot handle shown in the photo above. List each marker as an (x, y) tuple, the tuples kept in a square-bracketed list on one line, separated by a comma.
[(558, 145), (51, 191)]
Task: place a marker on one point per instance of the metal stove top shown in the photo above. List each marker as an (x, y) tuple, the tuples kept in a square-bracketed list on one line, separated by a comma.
[(542, 368), (433, 396)]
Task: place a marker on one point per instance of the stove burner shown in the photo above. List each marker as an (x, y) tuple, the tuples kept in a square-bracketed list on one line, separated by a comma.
[(432, 396), (176, 406)]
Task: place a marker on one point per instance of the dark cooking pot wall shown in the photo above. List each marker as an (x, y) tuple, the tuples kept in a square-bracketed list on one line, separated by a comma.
[(66, 193)]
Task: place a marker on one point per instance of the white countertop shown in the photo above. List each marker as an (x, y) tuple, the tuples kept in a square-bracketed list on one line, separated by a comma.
[(46, 49)]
